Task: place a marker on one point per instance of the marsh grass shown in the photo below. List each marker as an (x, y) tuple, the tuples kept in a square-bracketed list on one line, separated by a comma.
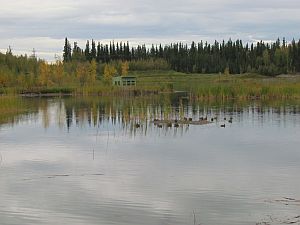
[(219, 86), (200, 86)]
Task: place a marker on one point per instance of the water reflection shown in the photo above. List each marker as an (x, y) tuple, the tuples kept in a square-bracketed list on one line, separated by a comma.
[(138, 115), (84, 161)]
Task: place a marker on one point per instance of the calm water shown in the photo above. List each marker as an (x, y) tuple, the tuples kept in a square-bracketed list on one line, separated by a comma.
[(84, 161)]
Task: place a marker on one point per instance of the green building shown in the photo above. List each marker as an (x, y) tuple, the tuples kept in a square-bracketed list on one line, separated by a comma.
[(124, 81)]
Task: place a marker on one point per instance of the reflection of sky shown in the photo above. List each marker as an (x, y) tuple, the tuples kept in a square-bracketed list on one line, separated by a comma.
[(223, 175)]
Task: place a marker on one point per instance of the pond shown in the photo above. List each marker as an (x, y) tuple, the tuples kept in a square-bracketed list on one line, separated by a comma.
[(105, 161)]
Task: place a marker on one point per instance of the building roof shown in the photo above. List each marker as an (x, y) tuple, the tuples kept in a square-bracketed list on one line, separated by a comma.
[(125, 77)]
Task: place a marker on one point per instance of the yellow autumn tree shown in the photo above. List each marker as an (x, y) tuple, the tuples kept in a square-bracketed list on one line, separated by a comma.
[(92, 71), (44, 74), (109, 72), (59, 72), (4, 79), (124, 68), (81, 73), (21, 81)]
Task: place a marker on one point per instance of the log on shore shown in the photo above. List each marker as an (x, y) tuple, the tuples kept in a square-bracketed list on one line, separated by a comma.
[(200, 122)]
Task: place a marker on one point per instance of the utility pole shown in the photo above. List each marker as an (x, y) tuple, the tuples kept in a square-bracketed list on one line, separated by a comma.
[(33, 56)]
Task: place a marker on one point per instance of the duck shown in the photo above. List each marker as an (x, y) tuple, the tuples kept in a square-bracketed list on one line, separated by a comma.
[(137, 125), (190, 119), (169, 124), (176, 125), (223, 125), (159, 126)]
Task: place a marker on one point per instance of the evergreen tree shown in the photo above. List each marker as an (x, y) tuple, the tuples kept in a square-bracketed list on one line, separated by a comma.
[(93, 53), (269, 59), (67, 51), (87, 52), (99, 53)]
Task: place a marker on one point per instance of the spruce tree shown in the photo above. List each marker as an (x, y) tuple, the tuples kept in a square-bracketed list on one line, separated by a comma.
[(67, 51), (87, 51), (93, 53)]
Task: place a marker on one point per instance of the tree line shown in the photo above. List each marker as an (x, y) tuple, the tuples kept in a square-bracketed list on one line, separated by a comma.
[(27, 72), (234, 56), (98, 61)]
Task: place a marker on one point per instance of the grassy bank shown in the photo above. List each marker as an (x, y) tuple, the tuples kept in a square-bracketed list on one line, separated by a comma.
[(99, 88), (220, 86), (199, 86)]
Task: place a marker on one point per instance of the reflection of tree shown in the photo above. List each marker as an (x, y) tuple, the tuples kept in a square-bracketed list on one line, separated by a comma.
[(136, 115), (15, 109), (69, 117), (61, 114), (43, 108)]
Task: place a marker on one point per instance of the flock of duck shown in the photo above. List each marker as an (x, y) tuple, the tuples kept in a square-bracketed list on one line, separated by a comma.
[(187, 121)]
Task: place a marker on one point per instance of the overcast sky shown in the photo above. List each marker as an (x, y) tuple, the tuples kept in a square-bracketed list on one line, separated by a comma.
[(28, 24)]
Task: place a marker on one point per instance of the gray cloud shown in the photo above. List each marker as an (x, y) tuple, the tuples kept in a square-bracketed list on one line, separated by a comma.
[(43, 25)]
